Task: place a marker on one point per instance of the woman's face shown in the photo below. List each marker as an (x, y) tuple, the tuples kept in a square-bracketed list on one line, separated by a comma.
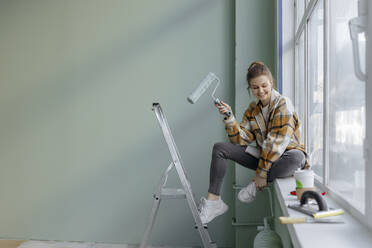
[(261, 87)]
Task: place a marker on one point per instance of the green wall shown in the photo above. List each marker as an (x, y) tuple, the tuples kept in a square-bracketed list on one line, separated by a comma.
[(255, 40), (81, 151)]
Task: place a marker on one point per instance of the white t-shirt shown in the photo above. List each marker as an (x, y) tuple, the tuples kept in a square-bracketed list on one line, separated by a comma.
[(265, 111)]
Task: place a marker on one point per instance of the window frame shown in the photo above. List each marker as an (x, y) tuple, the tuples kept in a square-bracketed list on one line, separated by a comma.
[(368, 140), (323, 182)]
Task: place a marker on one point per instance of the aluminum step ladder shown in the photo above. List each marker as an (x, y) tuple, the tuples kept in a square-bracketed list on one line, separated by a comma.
[(170, 193)]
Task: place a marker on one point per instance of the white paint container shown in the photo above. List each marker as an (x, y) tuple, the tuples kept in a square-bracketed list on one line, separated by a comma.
[(304, 178)]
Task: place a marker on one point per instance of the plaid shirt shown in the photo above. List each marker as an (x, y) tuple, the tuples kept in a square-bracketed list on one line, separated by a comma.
[(280, 133)]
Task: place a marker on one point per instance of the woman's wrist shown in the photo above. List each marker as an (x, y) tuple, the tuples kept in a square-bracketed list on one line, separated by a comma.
[(229, 120), (259, 176)]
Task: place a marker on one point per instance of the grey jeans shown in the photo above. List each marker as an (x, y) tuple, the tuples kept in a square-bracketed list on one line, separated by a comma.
[(283, 167)]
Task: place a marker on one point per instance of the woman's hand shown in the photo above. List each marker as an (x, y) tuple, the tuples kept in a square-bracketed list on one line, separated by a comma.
[(260, 182), (223, 108)]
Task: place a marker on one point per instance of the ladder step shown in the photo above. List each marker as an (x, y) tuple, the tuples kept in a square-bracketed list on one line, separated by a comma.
[(171, 193), (163, 192)]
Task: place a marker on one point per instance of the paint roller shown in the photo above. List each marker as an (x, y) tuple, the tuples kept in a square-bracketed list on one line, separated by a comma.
[(203, 86)]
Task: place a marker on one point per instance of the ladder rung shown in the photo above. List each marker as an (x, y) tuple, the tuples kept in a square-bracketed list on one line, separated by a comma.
[(164, 192), (170, 193)]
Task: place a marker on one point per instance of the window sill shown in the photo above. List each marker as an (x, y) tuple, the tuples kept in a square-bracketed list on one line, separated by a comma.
[(350, 234)]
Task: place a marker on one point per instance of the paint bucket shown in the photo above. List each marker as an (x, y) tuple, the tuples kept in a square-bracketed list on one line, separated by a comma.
[(304, 181)]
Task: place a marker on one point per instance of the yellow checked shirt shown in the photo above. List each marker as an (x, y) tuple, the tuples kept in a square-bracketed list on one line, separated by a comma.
[(280, 133)]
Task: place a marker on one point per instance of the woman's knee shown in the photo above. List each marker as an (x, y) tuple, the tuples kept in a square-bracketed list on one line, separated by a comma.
[(219, 148), (296, 157), (289, 162)]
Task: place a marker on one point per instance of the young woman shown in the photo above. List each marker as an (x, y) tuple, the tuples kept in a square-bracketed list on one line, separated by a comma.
[(273, 124)]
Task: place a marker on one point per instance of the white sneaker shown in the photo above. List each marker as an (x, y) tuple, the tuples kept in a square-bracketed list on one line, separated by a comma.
[(209, 209), (248, 193)]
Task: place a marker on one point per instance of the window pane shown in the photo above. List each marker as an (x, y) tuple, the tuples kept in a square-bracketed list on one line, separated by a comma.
[(300, 9), (300, 84), (316, 82), (347, 108)]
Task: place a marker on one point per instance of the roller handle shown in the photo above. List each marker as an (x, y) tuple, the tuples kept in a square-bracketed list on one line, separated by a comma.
[(291, 220), (322, 204), (218, 102)]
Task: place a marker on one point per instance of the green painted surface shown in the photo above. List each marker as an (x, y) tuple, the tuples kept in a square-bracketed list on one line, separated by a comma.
[(281, 229), (255, 40), (245, 236), (81, 151)]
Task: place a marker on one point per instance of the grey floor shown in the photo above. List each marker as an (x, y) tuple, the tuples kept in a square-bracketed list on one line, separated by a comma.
[(61, 244)]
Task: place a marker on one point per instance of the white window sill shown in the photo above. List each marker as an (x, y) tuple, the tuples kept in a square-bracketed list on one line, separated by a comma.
[(349, 234)]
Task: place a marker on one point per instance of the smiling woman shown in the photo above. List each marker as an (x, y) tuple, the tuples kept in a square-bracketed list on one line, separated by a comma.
[(260, 81), (273, 124), (261, 88)]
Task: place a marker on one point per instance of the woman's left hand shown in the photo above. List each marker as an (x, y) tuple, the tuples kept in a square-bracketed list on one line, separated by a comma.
[(260, 182)]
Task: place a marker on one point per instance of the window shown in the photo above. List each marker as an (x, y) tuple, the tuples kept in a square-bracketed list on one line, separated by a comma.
[(299, 87), (329, 99), (347, 108), (300, 8), (315, 89)]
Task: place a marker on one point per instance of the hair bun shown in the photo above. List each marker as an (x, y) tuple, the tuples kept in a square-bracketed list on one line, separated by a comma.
[(255, 63), (258, 68)]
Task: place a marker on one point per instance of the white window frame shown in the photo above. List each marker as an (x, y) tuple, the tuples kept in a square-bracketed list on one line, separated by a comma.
[(368, 143), (323, 182)]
